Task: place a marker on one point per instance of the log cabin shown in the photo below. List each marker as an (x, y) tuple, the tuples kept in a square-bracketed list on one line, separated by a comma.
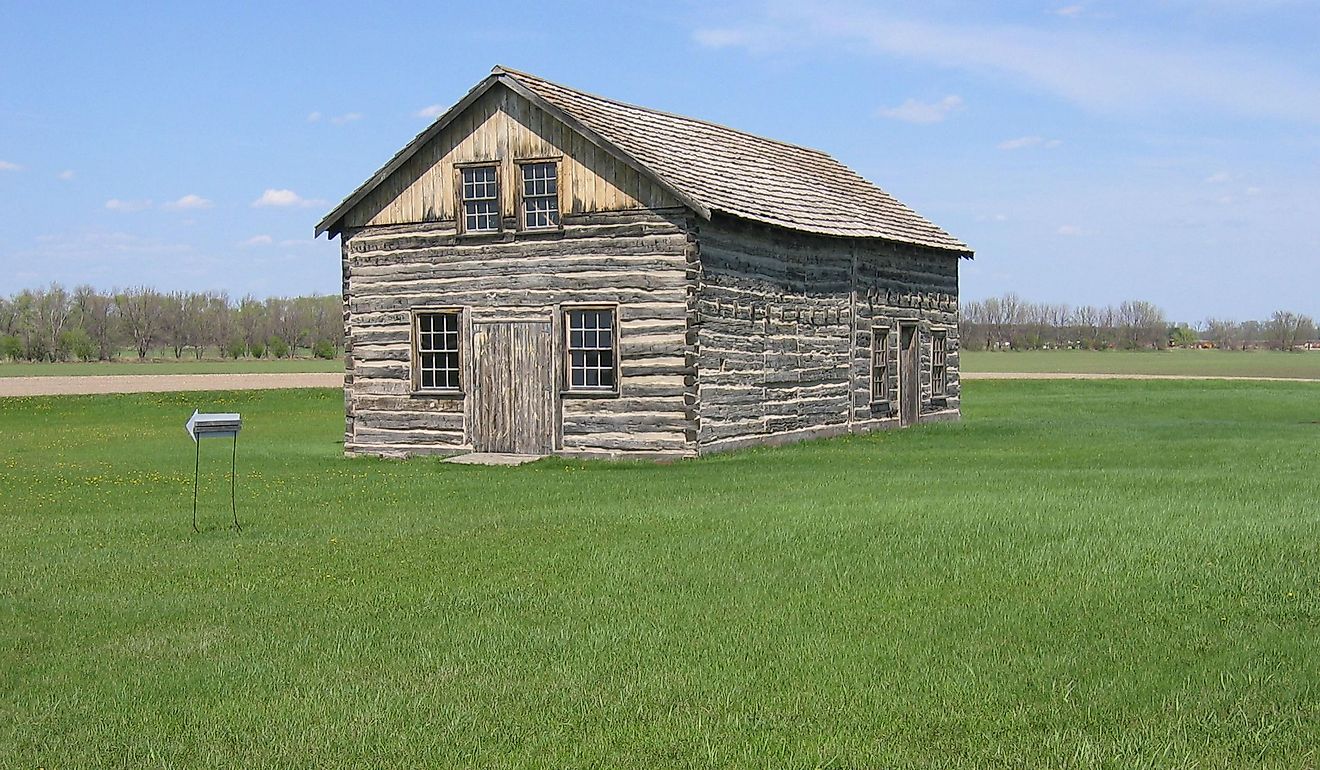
[(545, 271)]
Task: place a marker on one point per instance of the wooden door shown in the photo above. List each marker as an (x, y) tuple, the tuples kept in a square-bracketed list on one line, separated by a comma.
[(511, 405), (909, 383)]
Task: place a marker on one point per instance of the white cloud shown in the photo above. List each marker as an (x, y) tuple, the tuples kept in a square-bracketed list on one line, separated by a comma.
[(127, 206), (65, 175), (284, 199), (431, 112), (1069, 230), (723, 38), (1099, 70), (338, 120), (1024, 142), (913, 111), (1070, 11), (258, 240), (189, 201), (7, 166)]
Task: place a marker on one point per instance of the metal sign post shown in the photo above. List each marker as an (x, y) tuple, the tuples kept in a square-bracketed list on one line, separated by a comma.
[(217, 425)]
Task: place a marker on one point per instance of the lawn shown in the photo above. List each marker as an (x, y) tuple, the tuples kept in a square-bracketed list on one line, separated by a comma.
[(1081, 574), (186, 365), (1225, 363)]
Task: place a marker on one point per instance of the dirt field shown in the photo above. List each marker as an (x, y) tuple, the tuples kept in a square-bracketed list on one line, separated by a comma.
[(160, 383), (1115, 376)]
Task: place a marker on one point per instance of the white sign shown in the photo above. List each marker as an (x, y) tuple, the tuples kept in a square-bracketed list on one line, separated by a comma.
[(214, 424)]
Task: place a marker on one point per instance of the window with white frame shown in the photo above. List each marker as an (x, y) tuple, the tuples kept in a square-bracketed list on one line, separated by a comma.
[(591, 349), (438, 350), (540, 195), (481, 199), (939, 372), (879, 364)]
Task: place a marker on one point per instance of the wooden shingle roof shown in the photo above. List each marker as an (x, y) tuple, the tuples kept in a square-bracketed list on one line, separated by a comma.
[(712, 168)]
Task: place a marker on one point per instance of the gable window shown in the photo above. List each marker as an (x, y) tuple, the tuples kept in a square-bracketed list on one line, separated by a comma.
[(939, 372), (437, 346), (540, 195), (591, 350), (481, 199), (879, 364)]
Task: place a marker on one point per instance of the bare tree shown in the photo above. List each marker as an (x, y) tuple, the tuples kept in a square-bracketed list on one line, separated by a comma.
[(140, 314), (1142, 324), (53, 308), (96, 313), (1287, 329), (1222, 333)]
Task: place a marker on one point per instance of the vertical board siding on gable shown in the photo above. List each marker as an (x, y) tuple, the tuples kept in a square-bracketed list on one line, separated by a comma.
[(503, 125), (784, 332), (638, 260)]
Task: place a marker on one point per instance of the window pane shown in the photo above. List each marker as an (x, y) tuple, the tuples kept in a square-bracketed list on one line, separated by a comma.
[(540, 195), (591, 354), (480, 199), (438, 350)]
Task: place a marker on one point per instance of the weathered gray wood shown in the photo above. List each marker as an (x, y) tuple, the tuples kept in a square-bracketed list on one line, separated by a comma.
[(512, 393), (729, 334)]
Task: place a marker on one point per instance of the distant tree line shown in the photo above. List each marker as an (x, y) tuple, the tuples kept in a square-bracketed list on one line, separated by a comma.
[(54, 324), (1011, 323)]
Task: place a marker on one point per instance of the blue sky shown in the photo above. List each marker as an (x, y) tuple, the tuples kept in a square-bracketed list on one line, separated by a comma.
[(1090, 152)]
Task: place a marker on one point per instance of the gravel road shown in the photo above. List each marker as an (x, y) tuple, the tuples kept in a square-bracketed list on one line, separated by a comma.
[(160, 383)]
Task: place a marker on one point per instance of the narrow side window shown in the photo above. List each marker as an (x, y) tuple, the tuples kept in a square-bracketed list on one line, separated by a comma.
[(879, 364), (939, 372)]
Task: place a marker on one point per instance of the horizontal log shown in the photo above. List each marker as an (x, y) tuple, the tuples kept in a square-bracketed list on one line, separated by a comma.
[(635, 303), (649, 442), (585, 407), (519, 281), (418, 437), (410, 420), (631, 424), (406, 403)]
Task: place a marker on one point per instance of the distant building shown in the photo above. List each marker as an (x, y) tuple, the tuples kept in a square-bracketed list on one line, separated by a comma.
[(545, 271)]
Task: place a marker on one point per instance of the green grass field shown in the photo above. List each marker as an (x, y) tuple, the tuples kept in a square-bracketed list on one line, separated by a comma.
[(170, 366), (1222, 363), (1081, 574)]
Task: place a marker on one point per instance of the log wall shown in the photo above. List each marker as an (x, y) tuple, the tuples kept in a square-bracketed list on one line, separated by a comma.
[(638, 260), (783, 331)]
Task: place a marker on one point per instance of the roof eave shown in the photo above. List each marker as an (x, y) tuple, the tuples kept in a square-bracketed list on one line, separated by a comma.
[(331, 221), (567, 119)]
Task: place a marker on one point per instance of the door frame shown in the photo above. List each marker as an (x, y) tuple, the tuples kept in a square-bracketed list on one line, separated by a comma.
[(909, 372), (550, 439)]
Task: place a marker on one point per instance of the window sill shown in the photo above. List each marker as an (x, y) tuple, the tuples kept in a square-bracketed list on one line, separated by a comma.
[(485, 235), (589, 393), (548, 233), (435, 393)]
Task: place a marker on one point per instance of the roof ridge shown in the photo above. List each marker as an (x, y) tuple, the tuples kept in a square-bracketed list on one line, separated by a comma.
[(500, 69)]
